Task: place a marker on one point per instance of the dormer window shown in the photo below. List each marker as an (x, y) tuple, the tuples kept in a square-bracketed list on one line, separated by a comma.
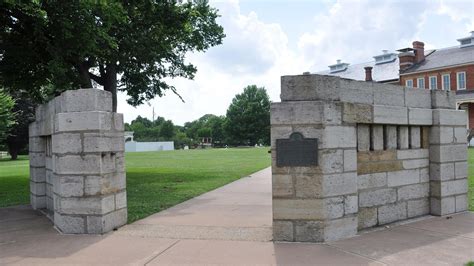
[(338, 67), (467, 41), (386, 57)]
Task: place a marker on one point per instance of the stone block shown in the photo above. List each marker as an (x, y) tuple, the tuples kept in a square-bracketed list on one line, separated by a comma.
[(38, 174), (302, 112), (394, 115), (441, 99), (69, 186), (420, 116), (392, 213), (340, 228), (282, 231), (77, 164), (117, 121), (441, 135), (375, 180), (448, 153), (63, 143), (376, 140), (69, 224), (357, 113), (104, 142), (460, 135), (106, 184), (356, 91), (417, 98), (442, 206), (37, 202), (83, 121), (339, 137), (89, 205), (413, 154), (387, 94), (415, 191), (449, 117), (310, 88), (120, 200), (350, 160), (390, 137), (282, 185), (280, 132), (38, 189), (308, 186), (441, 171), (106, 223), (461, 203), (339, 184), (404, 177), (415, 137), (331, 161), (403, 138), (309, 231), (367, 217), (36, 144), (377, 156), (377, 197), (298, 209), (34, 129), (416, 163), (418, 207), (84, 100), (334, 207), (448, 188), (378, 167), (363, 137), (460, 170), (351, 204), (37, 159), (425, 137)]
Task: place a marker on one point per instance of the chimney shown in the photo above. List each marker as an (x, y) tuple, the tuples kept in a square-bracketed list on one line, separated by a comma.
[(368, 73), (406, 58), (419, 48)]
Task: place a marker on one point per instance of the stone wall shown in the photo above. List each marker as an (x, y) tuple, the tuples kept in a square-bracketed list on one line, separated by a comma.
[(77, 170), (386, 153)]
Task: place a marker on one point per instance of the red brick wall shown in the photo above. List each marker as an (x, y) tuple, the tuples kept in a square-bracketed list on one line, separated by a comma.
[(470, 113), (452, 71)]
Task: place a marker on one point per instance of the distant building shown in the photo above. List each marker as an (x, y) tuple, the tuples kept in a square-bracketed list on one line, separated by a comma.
[(439, 69), (133, 146)]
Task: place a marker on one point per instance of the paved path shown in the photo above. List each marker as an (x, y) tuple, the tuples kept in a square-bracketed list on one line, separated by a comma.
[(230, 225)]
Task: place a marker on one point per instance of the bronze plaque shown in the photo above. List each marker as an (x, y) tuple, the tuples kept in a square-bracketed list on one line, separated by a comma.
[(297, 151)]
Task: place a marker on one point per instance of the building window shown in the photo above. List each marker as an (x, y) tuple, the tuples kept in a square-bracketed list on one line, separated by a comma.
[(461, 80), (446, 85), (433, 83), (409, 83), (421, 83)]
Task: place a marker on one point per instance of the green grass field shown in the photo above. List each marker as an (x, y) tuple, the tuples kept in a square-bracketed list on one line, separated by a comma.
[(155, 180), (159, 180)]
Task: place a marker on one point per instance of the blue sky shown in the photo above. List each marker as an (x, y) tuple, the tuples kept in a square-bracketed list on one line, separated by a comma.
[(270, 38)]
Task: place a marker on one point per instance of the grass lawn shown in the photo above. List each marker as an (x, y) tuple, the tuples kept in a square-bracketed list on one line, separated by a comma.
[(159, 180), (155, 180)]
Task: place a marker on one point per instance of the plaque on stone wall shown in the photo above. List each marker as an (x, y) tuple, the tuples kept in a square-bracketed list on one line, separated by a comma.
[(297, 151)]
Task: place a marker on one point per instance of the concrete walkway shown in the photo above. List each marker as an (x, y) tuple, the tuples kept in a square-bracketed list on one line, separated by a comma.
[(230, 225)]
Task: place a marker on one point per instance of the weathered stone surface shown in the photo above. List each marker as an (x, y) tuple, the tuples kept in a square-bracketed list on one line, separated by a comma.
[(449, 117), (37, 159), (350, 160), (448, 188), (415, 137), (390, 137), (282, 231), (377, 197), (106, 223), (69, 224), (387, 94), (460, 135), (356, 91), (280, 132), (417, 98), (38, 174), (418, 207), (67, 143), (375, 180), (460, 170), (448, 153), (298, 209), (425, 137), (334, 207), (304, 112), (420, 116), (85, 100), (351, 204), (120, 200), (442, 171), (403, 137), (104, 142), (83, 121), (376, 156), (367, 217), (93, 205), (377, 138), (378, 167), (77, 164), (442, 206), (339, 137), (441, 99), (340, 228), (413, 191), (390, 115), (416, 163), (357, 113), (308, 186), (339, 184), (282, 185), (106, 184), (404, 177), (393, 212), (38, 189), (441, 135), (363, 137), (309, 231), (413, 154), (310, 88), (424, 175), (37, 202), (461, 203), (331, 161), (69, 186)]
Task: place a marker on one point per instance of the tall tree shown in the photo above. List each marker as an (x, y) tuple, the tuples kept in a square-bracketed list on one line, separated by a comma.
[(17, 139), (7, 117), (248, 117), (121, 45)]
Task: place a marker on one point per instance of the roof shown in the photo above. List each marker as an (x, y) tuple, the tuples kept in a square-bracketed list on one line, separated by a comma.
[(444, 57), (380, 72)]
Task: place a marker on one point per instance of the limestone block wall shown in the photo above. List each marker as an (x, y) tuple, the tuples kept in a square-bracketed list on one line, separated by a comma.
[(77, 170), (381, 157)]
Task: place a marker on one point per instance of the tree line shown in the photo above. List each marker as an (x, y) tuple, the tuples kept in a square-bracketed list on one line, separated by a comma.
[(247, 122)]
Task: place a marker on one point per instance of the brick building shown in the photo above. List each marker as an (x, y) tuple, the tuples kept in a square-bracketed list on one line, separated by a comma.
[(449, 68)]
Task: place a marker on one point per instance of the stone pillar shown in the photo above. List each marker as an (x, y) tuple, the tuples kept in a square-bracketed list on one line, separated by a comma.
[(84, 142), (448, 156)]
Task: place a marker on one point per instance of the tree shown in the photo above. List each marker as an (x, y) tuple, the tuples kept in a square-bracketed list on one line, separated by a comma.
[(7, 117), (248, 117), (167, 130), (17, 139), (51, 46)]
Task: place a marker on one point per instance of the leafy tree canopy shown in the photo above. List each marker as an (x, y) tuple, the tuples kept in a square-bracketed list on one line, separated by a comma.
[(7, 117), (49, 46)]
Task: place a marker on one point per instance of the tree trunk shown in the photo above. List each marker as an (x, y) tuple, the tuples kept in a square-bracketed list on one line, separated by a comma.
[(85, 79), (110, 83), (13, 152)]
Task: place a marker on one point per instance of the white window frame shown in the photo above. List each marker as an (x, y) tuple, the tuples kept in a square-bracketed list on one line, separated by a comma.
[(409, 81), (457, 81), (430, 83), (418, 83), (443, 87)]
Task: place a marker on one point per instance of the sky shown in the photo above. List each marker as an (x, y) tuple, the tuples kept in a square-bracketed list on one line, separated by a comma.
[(266, 39)]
